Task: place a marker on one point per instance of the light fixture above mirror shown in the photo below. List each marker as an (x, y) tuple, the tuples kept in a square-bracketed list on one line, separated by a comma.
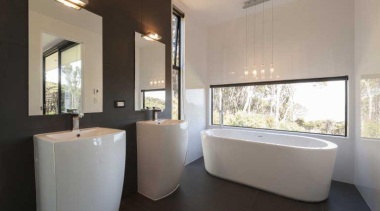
[(152, 36), (76, 4)]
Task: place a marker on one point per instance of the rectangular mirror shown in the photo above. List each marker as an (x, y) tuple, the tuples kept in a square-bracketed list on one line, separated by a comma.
[(149, 73), (65, 59)]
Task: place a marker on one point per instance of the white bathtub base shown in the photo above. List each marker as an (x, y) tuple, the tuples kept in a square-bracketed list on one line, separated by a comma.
[(263, 189)]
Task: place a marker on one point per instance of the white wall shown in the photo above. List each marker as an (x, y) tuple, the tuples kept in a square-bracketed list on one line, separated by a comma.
[(367, 61), (311, 39), (195, 80)]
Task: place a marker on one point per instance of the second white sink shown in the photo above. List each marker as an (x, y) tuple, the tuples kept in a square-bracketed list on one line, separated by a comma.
[(161, 153)]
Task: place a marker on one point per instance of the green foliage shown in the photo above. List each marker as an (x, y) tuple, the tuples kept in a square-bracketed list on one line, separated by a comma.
[(371, 129), (154, 102), (72, 89), (51, 98)]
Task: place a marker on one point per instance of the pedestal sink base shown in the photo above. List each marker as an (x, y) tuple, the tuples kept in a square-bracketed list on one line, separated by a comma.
[(162, 196), (161, 152), (80, 170)]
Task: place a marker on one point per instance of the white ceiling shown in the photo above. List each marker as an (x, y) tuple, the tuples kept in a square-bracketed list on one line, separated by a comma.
[(48, 41), (213, 12)]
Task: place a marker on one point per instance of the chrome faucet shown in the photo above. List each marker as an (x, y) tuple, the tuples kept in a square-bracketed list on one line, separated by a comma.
[(76, 121), (155, 112)]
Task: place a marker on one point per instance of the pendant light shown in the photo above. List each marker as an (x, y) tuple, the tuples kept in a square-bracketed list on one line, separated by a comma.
[(254, 71), (262, 52), (246, 73), (271, 72)]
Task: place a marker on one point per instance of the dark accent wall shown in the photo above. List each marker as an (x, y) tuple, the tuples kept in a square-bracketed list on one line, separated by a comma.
[(121, 18)]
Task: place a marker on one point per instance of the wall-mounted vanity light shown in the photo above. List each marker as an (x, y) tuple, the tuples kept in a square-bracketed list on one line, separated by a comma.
[(76, 4), (152, 37)]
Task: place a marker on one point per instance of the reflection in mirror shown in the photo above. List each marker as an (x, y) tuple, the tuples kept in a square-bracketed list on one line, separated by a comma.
[(149, 73), (65, 59), (62, 71)]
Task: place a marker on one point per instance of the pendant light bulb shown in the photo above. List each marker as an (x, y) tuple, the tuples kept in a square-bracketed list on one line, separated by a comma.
[(271, 71), (254, 72)]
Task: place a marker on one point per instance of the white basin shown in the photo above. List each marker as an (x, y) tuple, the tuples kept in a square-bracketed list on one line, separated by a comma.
[(76, 173), (69, 135), (161, 153)]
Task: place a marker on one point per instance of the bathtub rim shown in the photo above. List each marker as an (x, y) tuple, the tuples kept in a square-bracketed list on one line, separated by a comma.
[(329, 145)]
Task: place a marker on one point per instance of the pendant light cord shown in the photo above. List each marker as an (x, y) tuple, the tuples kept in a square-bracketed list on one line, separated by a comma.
[(246, 40), (263, 35), (272, 31), (254, 37)]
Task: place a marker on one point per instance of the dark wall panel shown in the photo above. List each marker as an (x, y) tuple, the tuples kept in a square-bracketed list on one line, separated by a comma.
[(121, 18)]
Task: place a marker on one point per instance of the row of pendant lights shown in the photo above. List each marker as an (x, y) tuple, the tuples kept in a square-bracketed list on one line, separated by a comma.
[(262, 73), (156, 82)]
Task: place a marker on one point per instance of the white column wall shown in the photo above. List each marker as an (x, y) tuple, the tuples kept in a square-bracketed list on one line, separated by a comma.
[(195, 80), (367, 61)]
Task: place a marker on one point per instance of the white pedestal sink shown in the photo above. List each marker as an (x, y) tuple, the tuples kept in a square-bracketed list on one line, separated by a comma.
[(161, 153), (80, 173)]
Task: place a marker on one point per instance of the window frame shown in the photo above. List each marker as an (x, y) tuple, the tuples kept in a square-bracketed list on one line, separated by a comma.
[(292, 81), (59, 48), (178, 52)]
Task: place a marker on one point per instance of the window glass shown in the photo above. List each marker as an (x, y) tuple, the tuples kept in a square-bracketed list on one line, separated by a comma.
[(311, 106), (51, 84), (370, 106), (71, 80), (175, 94)]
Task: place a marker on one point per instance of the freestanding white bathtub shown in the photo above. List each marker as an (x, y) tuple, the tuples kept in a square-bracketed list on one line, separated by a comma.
[(293, 166)]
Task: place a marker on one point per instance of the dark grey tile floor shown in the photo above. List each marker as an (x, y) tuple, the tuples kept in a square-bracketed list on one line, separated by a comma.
[(199, 191)]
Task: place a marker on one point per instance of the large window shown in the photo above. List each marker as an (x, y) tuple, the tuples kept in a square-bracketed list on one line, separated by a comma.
[(370, 106), (176, 62), (62, 85), (311, 106)]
